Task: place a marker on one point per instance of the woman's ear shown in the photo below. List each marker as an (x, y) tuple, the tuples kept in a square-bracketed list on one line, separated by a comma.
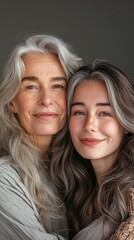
[(13, 109)]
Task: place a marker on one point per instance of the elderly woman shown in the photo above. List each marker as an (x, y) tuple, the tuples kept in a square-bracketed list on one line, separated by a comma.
[(32, 113)]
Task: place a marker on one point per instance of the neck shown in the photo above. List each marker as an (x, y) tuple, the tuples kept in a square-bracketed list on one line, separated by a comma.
[(42, 142)]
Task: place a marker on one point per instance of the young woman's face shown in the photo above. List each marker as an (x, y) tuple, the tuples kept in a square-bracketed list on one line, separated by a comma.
[(41, 102), (95, 131)]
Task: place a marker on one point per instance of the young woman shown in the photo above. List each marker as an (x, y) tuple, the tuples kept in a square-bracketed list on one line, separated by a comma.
[(98, 172), (32, 112)]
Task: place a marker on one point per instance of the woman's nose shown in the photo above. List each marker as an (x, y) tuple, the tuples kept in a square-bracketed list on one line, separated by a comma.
[(91, 124), (45, 97)]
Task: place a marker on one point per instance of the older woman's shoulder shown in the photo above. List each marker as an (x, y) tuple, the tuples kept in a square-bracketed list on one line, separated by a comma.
[(7, 171)]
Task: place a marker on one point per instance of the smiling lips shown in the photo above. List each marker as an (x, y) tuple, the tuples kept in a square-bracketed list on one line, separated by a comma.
[(46, 115), (91, 141)]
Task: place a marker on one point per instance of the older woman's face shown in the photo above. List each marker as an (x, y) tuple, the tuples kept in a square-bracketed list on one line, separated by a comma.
[(41, 102)]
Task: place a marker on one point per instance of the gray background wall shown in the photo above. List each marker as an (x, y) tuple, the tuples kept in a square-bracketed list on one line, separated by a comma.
[(95, 28)]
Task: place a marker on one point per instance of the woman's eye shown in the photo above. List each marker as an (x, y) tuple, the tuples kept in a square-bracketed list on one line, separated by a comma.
[(32, 87), (78, 113), (104, 114), (60, 86)]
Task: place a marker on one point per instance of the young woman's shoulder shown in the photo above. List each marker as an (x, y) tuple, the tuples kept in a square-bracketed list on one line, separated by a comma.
[(125, 231)]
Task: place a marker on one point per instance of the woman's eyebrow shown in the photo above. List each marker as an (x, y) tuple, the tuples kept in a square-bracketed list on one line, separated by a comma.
[(103, 104), (97, 104), (59, 78), (77, 104), (33, 78)]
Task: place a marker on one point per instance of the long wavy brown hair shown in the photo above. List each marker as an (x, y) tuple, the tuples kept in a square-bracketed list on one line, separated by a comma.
[(74, 176)]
